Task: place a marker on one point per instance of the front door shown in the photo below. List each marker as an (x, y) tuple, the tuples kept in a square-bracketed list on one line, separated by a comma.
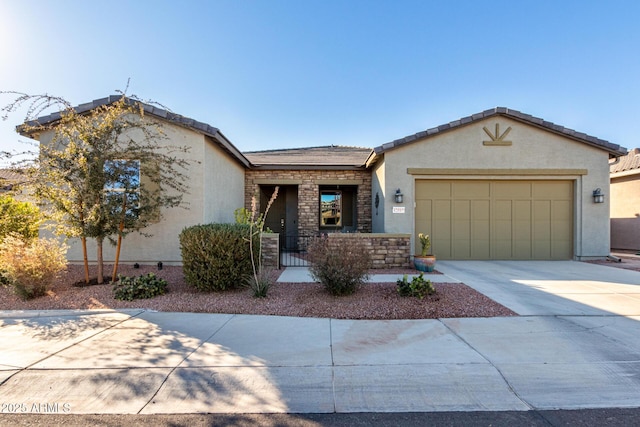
[(282, 217)]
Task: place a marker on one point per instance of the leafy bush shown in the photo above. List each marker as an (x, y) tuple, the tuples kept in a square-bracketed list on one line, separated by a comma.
[(417, 287), (140, 287), (20, 218), (216, 257), (31, 266), (340, 264)]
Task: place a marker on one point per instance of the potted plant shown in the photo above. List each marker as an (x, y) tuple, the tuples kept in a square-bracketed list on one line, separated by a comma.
[(425, 261)]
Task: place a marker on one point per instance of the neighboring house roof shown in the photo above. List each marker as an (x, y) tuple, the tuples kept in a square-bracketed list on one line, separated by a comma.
[(161, 113), (9, 178), (327, 157), (626, 165), (614, 150)]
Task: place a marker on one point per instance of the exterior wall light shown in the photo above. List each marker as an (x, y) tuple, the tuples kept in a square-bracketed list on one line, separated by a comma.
[(598, 197), (399, 196)]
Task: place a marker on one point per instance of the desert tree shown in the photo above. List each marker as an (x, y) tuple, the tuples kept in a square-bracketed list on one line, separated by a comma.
[(100, 174)]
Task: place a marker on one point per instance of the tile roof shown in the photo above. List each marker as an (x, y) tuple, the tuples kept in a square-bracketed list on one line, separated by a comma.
[(9, 177), (330, 156), (613, 149), (155, 111), (628, 163)]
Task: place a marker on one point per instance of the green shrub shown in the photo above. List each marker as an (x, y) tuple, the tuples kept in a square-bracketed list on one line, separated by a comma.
[(216, 257), (340, 264), (417, 287), (31, 266), (140, 287), (20, 218)]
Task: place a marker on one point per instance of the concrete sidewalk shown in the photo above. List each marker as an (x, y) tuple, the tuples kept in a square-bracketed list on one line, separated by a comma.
[(583, 355), (156, 363)]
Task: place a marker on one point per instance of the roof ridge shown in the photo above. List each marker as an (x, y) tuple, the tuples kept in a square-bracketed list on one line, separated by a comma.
[(156, 111), (272, 150), (613, 149)]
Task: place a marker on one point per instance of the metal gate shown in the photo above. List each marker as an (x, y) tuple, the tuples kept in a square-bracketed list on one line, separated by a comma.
[(293, 249)]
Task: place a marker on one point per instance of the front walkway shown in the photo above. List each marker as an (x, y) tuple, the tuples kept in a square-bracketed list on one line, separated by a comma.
[(302, 275)]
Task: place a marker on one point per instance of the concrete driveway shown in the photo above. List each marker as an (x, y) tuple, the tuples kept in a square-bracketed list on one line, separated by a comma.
[(572, 348), (547, 288)]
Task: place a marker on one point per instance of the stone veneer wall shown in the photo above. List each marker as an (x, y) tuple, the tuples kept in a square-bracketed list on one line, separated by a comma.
[(309, 182), (387, 250), (271, 250)]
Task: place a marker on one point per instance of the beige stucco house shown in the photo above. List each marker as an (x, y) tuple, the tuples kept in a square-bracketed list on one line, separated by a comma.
[(625, 202), (216, 186), (496, 185)]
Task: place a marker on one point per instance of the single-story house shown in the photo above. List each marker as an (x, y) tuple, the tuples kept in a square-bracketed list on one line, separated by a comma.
[(499, 184), (625, 202)]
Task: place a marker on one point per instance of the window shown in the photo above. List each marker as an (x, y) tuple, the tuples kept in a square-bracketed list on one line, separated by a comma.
[(331, 208), (122, 186)]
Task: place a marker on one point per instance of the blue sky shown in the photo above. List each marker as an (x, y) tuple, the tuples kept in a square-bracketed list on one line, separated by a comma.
[(277, 74)]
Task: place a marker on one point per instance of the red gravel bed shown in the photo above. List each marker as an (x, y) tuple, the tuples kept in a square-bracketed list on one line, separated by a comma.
[(371, 301)]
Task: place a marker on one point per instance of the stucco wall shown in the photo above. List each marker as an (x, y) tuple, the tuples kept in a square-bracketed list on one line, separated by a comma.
[(223, 184), (309, 183), (533, 150), (163, 244), (216, 187), (625, 211)]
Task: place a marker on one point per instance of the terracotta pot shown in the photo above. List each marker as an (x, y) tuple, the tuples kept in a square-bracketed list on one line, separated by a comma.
[(424, 263)]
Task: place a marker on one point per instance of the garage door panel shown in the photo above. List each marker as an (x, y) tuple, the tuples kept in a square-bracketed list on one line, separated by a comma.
[(498, 219), (562, 249), (441, 230), (542, 220), (522, 225), (511, 190), (503, 220), (471, 190), (461, 229), (480, 217), (423, 211), (434, 190), (553, 190)]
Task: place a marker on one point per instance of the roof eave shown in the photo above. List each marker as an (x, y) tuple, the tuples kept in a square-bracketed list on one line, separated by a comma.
[(307, 167)]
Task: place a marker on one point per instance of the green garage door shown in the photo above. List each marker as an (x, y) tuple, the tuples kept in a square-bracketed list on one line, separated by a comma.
[(496, 219)]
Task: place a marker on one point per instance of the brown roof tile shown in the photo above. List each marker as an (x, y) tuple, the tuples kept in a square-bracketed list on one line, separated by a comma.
[(153, 110), (627, 163), (331, 156)]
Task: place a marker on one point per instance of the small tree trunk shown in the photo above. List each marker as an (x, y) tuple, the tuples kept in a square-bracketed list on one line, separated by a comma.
[(115, 264), (85, 257), (120, 230), (99, 241)]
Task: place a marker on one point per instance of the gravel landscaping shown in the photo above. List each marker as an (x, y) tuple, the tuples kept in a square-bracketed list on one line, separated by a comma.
[(371, 301)]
